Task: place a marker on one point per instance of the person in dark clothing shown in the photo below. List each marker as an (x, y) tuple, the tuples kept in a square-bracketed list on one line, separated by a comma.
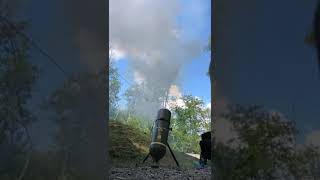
[(205, 146)]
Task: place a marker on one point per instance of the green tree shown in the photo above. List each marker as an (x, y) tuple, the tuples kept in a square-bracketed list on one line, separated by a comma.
[(188, 122), (132, 96), (143, 100), (263, 149), (77, 110), (114, 88), (310, 161), (136, 98), (17, 76)]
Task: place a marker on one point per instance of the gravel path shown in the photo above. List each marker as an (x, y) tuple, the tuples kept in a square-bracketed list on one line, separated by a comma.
[(148, 173)]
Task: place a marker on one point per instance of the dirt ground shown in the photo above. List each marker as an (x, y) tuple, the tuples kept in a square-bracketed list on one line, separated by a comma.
[(161, 173)]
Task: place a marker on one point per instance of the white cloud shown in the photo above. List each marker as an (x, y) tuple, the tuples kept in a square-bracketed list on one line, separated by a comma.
[(138, 77), (208, 105), (180, 102), (116, 54)]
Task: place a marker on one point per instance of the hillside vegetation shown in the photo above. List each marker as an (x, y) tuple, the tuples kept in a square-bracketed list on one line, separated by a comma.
[(130, 145)]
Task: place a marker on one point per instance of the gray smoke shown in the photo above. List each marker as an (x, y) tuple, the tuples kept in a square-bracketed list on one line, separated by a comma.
[(148, 34), (83, 25)]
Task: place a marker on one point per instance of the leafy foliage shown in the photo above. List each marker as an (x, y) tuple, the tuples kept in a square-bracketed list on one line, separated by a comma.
[(114, 88), (132, 96), (188, 123), (17, 76), (76, 109), (263, 149)]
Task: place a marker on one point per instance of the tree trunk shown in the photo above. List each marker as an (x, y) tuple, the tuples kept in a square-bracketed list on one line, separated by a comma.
[(316, 26)]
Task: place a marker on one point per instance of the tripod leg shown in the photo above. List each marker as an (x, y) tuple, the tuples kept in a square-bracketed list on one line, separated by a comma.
[(173, 155), (146, 158)]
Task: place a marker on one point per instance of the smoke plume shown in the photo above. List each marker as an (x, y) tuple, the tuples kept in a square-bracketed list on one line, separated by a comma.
[(150, 35)]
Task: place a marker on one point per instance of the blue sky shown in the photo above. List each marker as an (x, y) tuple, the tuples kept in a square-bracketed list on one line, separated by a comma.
[(193, 78)]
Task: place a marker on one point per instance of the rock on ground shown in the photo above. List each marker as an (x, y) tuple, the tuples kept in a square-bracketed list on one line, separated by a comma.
[(148, 173)]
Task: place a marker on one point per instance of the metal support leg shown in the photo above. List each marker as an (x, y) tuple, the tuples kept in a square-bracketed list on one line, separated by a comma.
[(173, 155), (146, 158)]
